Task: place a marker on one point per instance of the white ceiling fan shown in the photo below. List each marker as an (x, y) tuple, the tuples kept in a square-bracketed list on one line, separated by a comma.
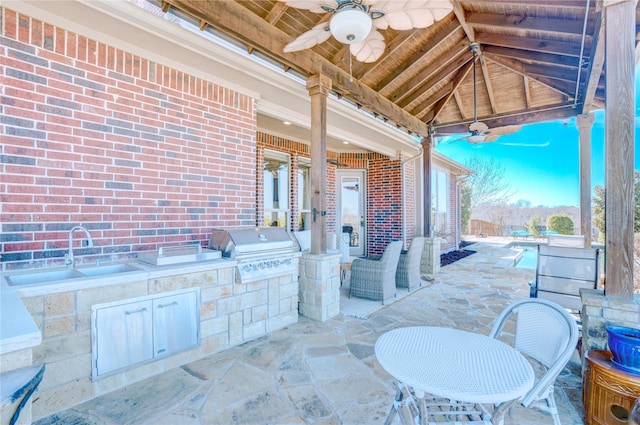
[(356, 22), (479, 132)]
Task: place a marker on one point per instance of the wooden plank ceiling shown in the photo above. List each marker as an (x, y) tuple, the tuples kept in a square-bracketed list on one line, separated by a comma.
[(534, 62)]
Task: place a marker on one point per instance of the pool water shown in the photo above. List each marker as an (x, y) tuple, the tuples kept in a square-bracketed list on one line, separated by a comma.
[(529, 258)]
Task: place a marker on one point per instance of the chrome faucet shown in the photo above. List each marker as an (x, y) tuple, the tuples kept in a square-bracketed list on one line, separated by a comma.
[(68, 259)]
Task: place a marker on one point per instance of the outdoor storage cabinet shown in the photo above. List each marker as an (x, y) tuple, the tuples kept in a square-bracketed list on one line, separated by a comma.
[(134, 331)]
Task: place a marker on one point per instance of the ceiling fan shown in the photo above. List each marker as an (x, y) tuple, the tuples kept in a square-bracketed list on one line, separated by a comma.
[(479, 132), (356, 22)]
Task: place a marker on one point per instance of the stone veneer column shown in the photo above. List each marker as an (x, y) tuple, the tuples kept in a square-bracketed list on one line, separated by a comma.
[(599, 311), (319, 286), (430, 262)]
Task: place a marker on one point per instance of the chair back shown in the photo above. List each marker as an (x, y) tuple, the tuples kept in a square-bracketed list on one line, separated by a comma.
[(546, 332), (562, 271), (392, 254), (570, 241)]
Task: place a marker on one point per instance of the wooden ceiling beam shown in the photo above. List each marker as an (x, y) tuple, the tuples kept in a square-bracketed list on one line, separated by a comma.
[(527, 116), (532, 44), (458, 10), (441, 37), (556, 73), (527, 91), (444, 91), (527, 23), (487, 83), (236, 21), (451, 61), (546, 58), (596, 62), (459, 78), (520, 68), (276, 12)]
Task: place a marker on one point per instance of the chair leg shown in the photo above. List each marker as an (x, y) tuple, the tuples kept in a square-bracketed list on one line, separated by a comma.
[(553, 408)]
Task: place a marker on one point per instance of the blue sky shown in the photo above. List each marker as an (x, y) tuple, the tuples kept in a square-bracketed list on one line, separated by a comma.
[(542, 160)]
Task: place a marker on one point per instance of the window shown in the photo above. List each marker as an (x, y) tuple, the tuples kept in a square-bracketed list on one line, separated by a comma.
[(440, 202), (304, 194), (276, 189)]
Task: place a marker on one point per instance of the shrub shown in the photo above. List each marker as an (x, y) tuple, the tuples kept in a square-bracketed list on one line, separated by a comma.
[(533, 226), (560, 223)]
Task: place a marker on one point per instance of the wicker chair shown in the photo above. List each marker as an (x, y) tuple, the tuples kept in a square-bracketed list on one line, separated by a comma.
[(376, 279), (408, 272)]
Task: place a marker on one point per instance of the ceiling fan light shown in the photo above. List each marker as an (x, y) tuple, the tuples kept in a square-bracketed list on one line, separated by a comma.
[(475, 138), (350, 26)]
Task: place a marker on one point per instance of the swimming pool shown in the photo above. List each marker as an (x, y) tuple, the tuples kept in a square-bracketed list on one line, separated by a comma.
[(529, 257)]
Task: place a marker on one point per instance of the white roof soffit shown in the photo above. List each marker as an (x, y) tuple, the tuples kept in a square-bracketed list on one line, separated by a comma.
[(122, 24)]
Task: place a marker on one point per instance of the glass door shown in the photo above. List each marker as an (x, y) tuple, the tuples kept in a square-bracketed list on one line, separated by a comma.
[(351, 207)]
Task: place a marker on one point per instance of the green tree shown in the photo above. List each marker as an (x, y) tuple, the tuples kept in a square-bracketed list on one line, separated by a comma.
[(533, 226), (560, 223), (597, 206), (465, 206)]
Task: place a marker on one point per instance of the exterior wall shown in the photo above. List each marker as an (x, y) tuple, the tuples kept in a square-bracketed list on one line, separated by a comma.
[(384, 203), (140, 154)]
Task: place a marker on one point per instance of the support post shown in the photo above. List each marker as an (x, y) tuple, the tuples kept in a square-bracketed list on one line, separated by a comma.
[(585, 122), (619, 146), (427, 143), (430, 262), (318, 86)]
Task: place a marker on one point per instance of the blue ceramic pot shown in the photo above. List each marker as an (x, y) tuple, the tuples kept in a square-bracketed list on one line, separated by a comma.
[(624, 344)]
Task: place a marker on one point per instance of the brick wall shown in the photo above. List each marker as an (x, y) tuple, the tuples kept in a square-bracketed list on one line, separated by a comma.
[(140, 154), (384, 199)]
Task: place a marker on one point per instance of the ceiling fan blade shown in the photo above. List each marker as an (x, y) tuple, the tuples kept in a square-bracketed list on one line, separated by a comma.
[(507, 129), (478, 126), (459, 139), (370, 49), (406, 15), (315, 35), (311, 5)]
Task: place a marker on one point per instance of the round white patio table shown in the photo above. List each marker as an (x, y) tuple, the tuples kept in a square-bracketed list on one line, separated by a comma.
[(455, 364)]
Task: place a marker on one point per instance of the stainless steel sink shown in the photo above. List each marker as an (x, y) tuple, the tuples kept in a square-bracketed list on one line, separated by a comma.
[(43, 277), (49, 276), (110, 269)]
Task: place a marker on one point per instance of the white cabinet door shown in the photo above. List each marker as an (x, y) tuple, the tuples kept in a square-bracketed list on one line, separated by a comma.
[(175, 323), (123, 335)]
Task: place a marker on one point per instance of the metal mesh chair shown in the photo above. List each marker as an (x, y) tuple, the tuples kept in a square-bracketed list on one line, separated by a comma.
[(547, 333), (408, 272), (376, 279)]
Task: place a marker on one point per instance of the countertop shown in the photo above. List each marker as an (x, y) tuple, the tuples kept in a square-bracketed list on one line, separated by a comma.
[(18, 331)]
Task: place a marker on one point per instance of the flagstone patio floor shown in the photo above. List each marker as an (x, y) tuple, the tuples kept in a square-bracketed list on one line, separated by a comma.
[(326, 373)]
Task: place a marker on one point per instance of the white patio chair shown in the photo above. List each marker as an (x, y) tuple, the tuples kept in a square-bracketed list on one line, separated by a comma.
[(545, 332), (561, 272)]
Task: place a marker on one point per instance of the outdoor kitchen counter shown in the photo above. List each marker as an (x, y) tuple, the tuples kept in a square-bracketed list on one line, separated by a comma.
[(145, 272), (17, 328)]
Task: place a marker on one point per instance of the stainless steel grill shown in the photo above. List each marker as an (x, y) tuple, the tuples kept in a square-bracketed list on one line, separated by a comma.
[(261, 252)]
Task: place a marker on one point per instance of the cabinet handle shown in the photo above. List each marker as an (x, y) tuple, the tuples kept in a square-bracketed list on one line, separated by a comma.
[(168, 305), (141, 310)]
